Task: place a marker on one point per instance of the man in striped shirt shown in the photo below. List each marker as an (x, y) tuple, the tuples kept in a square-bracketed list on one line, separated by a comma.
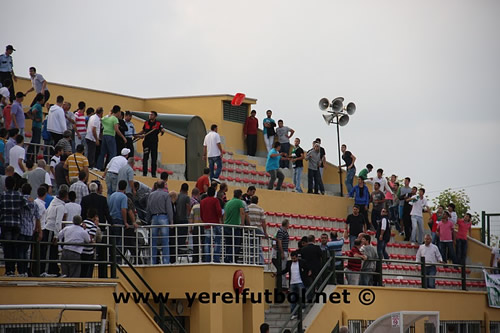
[(81, 128), (281, 248), (76, 163), (90, 224), (354, 264), (257, 218)]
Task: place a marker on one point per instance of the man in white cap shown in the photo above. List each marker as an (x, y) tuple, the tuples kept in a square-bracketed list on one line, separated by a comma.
[(114, 166)]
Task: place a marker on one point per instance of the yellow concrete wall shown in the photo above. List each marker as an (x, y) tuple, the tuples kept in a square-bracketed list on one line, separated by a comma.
[(93, 98), (209, 108), (216, 316), (452, 305), (171, 148), (54, 291), (274, 201)]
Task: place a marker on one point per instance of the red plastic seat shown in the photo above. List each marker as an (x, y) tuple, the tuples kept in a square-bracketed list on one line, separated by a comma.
[(270, 213), (221, 177)]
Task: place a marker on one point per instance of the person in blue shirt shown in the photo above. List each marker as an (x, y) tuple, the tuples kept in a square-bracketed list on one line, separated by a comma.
[(361, 197), (3, 136), (336, 245), (273, 167), (118, 206), (36, 113)]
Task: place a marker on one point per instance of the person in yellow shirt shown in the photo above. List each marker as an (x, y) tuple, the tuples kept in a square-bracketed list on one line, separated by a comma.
[(76, 163)]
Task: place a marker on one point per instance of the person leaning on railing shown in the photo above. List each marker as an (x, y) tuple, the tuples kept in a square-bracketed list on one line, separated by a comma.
[(432, 256), (162, 215), (73, 234), (336, 245)]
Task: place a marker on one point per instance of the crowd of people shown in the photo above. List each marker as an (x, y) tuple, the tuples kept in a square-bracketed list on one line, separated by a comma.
[(37, 194), (282, 155)]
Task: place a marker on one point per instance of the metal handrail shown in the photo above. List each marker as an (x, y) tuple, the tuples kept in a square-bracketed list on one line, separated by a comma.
[(161, 305)]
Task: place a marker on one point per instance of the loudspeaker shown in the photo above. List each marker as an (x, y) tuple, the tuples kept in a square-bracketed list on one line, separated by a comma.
[(338, 104), (344, 120), (324, 103), (350, 108), (328, 118)]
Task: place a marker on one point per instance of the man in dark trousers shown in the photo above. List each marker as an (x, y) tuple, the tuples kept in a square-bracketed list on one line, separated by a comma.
[(312, 255), (7, 71), (299, 278), (250, 131), (97, 201), (150, 132)]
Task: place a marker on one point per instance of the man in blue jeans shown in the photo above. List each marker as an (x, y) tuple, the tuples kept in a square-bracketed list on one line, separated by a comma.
[(212, 149), (299, 277), (298, 165), (349, 160), (273, 167), (432, 256), (118, 205), (383, 235), (162, 214)]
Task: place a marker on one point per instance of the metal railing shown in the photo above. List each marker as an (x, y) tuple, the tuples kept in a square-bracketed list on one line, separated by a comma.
[(189, 243), (38, 265), (160, 316), (33, 149), (329, 274)]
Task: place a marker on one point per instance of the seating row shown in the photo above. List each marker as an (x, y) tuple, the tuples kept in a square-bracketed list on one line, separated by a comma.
[(245, 182)]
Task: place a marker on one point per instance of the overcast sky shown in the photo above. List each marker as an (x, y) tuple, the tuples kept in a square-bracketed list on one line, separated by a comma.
[(424, 74)]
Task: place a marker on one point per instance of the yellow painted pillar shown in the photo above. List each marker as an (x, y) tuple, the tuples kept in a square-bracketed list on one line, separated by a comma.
[(253, 317), (111, 320), (206, 318)]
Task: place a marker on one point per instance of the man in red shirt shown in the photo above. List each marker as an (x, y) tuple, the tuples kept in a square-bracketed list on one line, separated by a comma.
[(464, 228), (250, 131), (203, 183), (354, 264), (211, 212)]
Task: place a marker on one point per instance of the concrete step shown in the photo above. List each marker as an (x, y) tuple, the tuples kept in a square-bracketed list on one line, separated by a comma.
[(277, 316)]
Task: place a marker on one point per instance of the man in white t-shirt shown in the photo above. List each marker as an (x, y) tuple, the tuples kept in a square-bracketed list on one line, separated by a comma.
[(112, 169), (212, 149), (39, 85), (17, 155), (40, 202), (56, 120), (495, 259), (419, 205), (92, 136)]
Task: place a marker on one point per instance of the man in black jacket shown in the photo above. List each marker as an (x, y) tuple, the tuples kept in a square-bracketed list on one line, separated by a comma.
[(312, 255), (299, 277), (97, 201)]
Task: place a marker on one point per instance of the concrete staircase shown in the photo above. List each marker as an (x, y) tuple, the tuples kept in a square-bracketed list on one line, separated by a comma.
[(276, 317)]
